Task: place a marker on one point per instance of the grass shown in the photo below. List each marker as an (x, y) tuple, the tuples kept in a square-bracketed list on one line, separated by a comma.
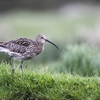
[(82, 60), (36, 85)]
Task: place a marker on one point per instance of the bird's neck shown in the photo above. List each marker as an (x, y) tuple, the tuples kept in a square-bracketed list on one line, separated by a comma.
[(40, 43), (40, 48)]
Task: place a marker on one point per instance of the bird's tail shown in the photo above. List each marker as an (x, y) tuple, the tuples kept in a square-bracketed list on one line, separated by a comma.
[(3, 48), (1, 44)]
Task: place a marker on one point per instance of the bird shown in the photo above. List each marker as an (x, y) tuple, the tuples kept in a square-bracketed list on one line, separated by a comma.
[(22, 49)]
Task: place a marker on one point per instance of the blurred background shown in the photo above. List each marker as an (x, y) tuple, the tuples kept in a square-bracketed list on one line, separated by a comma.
[(73, 25)]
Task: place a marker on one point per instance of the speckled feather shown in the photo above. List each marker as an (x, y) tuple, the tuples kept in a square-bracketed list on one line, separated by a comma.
[(23, 46)]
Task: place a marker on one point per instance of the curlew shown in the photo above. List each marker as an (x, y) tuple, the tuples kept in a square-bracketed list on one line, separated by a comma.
[(24, 49)]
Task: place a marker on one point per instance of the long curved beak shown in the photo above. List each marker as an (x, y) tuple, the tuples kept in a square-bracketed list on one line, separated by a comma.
[(52, 43)]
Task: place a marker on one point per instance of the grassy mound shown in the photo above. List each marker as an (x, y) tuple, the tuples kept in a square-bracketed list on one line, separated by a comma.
[(32, 85)]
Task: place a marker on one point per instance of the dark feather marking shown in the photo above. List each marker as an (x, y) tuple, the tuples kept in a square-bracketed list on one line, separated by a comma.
[(25, 47), (20, 45)]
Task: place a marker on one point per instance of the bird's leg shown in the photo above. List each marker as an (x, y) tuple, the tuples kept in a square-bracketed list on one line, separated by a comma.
[(21, 62), (10, 60)]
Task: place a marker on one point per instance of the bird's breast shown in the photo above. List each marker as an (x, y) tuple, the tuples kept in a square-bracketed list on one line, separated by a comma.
[(39, 49)]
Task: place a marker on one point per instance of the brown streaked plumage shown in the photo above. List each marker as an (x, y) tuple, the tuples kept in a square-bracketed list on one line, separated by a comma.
[(23, 48)]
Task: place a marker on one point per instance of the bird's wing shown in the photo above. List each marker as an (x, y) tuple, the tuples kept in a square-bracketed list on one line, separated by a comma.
[(22, 41), (18, 46)]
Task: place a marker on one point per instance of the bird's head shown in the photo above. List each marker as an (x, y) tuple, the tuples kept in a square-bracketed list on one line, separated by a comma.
[(42, 39)]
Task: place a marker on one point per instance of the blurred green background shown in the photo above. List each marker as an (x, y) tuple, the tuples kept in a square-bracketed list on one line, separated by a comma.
[(73, 26)]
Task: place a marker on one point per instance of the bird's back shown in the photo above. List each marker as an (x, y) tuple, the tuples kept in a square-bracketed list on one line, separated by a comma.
[(22, 47), (18, 46)]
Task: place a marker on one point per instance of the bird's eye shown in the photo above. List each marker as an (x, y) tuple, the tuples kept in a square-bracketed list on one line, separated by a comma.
[(41, 37)]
